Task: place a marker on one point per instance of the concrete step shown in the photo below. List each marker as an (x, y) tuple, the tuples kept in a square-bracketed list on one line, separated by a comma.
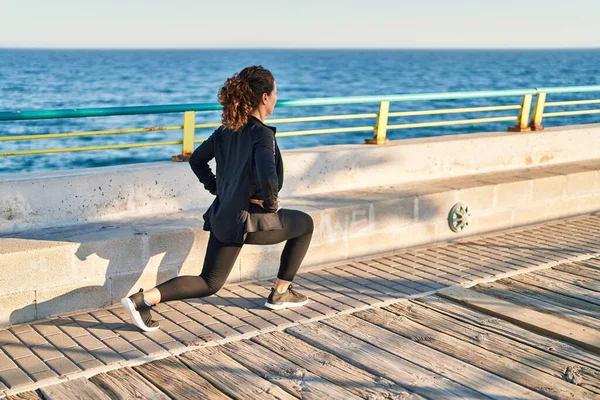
[(56, 270)]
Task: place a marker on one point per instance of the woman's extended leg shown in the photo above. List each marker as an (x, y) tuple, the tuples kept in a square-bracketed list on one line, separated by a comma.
[(219, 260)]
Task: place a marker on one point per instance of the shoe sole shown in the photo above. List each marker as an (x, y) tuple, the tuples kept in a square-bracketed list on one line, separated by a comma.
[(285, 305), (135, 316)]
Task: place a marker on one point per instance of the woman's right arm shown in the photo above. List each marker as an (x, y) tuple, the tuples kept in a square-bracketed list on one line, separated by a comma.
[(264, 155), (199, 163)]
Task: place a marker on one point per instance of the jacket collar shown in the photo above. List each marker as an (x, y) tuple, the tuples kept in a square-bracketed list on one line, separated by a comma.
[(252, 121)]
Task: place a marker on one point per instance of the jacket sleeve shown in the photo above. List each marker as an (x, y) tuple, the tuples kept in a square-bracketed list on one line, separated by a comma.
[(199, 163), (264, 155)]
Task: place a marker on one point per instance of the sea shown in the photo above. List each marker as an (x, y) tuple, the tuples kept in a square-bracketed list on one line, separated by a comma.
[(67, 79)]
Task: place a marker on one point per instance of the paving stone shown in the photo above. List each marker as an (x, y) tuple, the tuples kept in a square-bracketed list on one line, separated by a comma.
[(7, 337), (182, 307), (130, 333), (148, 347), (132, 355), (290, 315), (63, 366), (321, 308), (89, 342), (245, 329), (258, 322), (159, 336), (174, 345), (74, 330), (6, 362), (110, 320), (31, 338), (176, 316), (200, 331), (169, 327), (15, 377), (46, 329), (102, 332), (90, 364), (230, 320), (77, 354), (101, 312), (61, 341), (280, 321), (254, 288), (31, 365), (106, 355), (185, 337), (119, 345), (224, 330), (17, 350), (350, 302), (21, 329), (85, 320), (237, 311), (46, 352), (42, 375), (211, 310)]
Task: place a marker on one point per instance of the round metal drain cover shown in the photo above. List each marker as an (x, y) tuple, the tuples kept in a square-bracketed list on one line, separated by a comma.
[(459, 217)]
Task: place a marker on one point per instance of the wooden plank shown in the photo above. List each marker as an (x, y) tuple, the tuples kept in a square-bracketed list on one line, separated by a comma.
[(566, 351), (576, 280), (230, 376), (77, 389), (545, 324), (385, 330), (526, 365), (591, 263), (319, 362), (32, 395), (126, 384), (177, 380), (566, 289), (276, 369), (379, 362), (580, 269), (542, 301)]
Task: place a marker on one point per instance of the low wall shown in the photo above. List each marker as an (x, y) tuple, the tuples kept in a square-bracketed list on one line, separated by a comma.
[(111, 193)]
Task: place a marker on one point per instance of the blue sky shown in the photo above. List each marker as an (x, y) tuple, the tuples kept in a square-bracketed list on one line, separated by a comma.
[(300, 23)]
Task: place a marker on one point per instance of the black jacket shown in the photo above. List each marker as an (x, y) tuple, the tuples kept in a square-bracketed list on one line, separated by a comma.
[(249, 165)]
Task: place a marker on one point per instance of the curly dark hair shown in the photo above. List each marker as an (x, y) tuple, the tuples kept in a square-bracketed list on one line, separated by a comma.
[(242, 93)]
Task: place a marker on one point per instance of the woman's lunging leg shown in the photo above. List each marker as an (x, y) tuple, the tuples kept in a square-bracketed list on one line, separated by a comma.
[(298, 230)]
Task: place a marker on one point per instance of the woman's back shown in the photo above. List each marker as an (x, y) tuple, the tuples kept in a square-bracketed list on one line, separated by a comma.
[(248, 166)]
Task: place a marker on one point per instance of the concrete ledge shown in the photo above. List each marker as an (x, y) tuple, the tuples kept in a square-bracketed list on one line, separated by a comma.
[(142, 190), (57, 270)]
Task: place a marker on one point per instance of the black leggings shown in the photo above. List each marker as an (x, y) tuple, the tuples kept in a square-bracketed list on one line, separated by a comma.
[(220, 258)]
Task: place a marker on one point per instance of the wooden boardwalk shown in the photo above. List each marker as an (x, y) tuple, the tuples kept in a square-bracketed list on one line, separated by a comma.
[(532, 336)]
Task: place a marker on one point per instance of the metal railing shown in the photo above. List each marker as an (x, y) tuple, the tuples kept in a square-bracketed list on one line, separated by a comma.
[(382, 119)]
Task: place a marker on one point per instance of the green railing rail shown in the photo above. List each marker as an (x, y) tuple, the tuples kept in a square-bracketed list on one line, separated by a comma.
[(523, 121)]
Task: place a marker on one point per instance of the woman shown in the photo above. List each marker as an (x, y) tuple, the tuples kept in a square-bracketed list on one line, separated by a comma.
[(246, 208)]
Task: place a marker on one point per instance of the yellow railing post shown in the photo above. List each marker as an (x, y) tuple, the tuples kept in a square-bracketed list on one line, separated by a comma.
[(523, 119), (187, 148), (538, 113), (381, 127)]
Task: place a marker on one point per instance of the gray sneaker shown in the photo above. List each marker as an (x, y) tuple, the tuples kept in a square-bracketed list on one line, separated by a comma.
[(139, 312), (289, 298)]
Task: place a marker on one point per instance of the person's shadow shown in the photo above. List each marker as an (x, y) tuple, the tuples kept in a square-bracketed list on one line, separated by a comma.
[(138, 254)]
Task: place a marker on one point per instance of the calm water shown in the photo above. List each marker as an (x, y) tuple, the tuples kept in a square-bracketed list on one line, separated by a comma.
[(37, 79)]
